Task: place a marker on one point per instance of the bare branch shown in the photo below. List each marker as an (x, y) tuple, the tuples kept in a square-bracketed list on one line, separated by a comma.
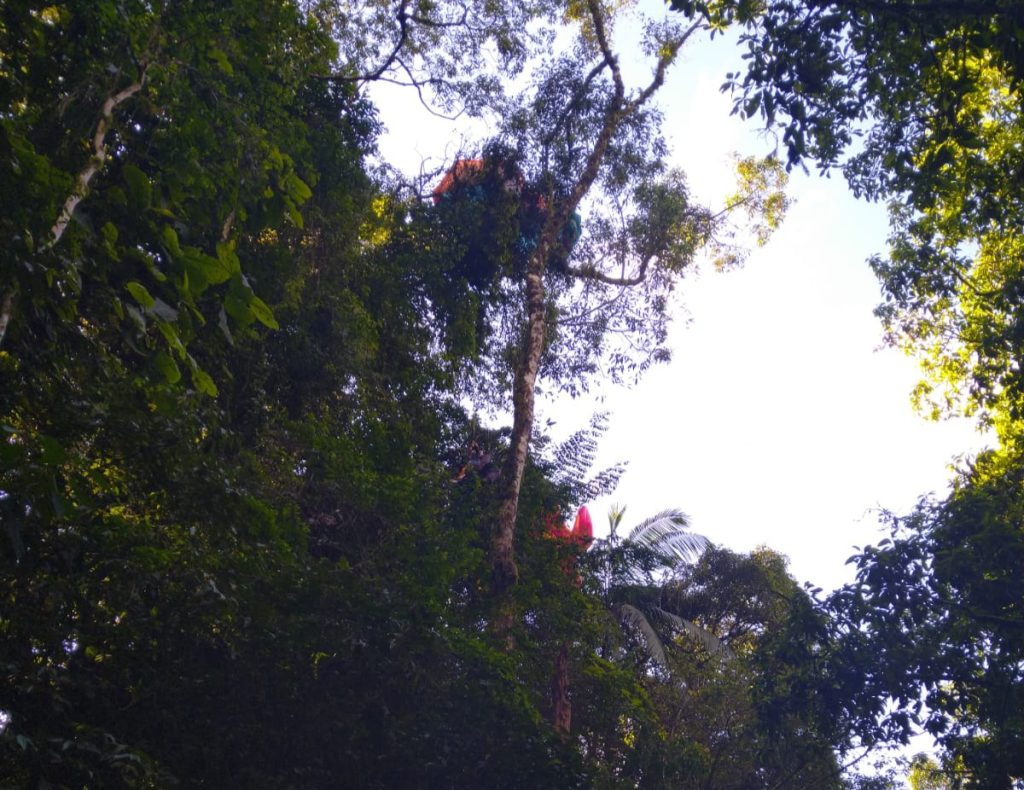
[(592, 273), (225, 232), (418, 85), (403, 18), (597, 17), (96, 161)]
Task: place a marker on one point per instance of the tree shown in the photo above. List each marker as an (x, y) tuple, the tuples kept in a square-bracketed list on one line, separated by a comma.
[(581, 133), (731, 652), (627, 569), (926, 774), (934, 622), (223, 544), (456, 55), (233, 551), (932, 91)]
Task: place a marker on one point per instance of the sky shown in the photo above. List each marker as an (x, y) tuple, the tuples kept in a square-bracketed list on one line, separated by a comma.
[(780, 420)]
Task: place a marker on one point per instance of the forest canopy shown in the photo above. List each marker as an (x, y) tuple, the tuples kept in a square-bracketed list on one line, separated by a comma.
[(255, 532)]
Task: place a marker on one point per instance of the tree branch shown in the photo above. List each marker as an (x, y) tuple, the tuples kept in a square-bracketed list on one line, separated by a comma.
[(96, 161), (591, 273), (597, 17), (579, 94), (403, 18), (504, 571), (672, 48)]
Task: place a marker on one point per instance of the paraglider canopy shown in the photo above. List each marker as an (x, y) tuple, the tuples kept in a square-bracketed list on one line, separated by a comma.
[(583, 527), (484, 180), (462, 173), (581, 534), (473, 172)]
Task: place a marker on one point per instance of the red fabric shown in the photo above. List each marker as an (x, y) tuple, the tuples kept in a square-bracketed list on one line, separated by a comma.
[(555, 527), (579, 537), (581, 534), (583, 528)]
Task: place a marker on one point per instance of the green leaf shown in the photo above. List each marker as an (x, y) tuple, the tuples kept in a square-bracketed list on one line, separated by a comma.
[(216, 270), (238, 301), (171, 240), (51, 452), (298, 190), (194, 281), (140, 294), (263, 313), (168, 367), (170, 334), (228, 258), (221, 59), (293, 213), (201, 381), (109, 233), (139, 188)]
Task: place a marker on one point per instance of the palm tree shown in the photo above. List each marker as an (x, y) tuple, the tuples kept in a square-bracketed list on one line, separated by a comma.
[(633, 571)]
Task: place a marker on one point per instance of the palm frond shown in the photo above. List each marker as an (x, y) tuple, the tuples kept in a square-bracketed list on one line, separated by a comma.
[(637, 620), (710, 642), (668, 533)]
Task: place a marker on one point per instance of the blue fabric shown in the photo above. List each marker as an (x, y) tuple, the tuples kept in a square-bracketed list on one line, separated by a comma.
[(474, 192), (571, 234)]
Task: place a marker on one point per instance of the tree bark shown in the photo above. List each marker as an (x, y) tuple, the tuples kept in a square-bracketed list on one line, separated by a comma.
[(503, 565), (561, 707), (85, 176)]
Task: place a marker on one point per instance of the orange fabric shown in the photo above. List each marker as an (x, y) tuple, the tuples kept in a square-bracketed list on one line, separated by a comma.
[(464, 171)]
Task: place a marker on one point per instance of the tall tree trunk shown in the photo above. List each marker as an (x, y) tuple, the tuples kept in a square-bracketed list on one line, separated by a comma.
[(561, 707), (504, 573)]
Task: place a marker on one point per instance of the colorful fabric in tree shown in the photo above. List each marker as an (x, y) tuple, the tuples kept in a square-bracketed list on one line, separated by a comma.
[(582, 533), (473, 178), (465, 172)]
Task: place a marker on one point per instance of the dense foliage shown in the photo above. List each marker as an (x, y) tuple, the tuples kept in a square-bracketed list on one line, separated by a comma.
[(248, 517), (919, 102)]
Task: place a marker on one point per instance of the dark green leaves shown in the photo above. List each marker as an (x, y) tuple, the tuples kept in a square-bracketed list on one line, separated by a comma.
[(140, 191)]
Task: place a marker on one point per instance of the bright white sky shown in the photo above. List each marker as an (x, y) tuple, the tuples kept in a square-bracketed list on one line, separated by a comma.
[(778, 421)]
